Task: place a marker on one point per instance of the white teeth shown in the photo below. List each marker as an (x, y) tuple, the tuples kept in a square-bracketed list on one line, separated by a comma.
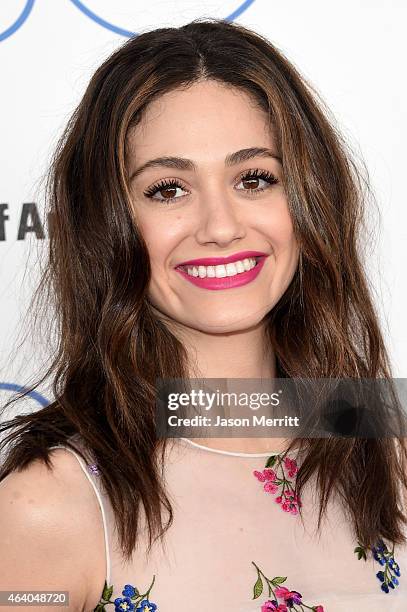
[(221, 271), (231, 269)]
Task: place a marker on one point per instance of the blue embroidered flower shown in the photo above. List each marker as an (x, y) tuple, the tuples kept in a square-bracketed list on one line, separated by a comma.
[(385, 557), (391, 567), (129, 591), (123, 603), (379, 552), (394, 566), (141, 602), (146, 606)]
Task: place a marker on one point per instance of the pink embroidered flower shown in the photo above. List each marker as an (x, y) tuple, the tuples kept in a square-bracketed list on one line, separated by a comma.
[(288, 598), (291, 466), (273, 481), (290, 508), (281, 592), (291, 597), (267, 474), (260, 475), (273, 605), (270, 487), (290, 502)]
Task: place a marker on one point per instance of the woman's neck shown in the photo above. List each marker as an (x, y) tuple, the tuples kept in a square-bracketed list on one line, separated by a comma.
[(235, 355), (240, 354)]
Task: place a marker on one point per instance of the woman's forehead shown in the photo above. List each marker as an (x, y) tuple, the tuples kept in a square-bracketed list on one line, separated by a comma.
[(202, 118)]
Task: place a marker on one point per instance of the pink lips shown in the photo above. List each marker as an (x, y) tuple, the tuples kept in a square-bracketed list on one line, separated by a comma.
[(216, 261), (229, 281)]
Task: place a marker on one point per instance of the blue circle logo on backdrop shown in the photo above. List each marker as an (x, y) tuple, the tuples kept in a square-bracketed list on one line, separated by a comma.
[(22, 18), (18, 388)]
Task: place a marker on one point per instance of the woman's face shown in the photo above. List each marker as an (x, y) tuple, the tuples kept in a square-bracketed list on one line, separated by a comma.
[(222, 203)]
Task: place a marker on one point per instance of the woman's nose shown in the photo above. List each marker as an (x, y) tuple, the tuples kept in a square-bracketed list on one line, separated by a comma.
[(219, 220)]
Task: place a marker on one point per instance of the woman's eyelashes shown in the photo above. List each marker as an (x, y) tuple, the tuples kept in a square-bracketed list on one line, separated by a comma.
[(251, 180)]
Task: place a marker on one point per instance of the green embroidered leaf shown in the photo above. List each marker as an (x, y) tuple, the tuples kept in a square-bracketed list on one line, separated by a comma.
[(107, 592), (100, 608), (361, 552), (278, 580), (271, 461), (136, 593), (258, 588)]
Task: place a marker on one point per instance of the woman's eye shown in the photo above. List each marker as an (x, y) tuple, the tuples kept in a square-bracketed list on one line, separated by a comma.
[(252, 180), (166, 189)]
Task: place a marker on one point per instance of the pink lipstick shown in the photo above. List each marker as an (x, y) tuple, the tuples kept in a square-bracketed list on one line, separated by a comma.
[(215, 261), (227, 282)]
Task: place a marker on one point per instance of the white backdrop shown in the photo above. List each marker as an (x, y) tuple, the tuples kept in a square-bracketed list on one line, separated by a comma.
[(352, 51)]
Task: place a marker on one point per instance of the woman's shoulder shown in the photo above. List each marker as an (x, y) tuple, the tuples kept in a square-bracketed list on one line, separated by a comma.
[(50, 520)]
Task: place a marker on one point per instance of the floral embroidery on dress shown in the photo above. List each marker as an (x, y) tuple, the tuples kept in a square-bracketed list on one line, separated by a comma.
[(290, 502), (384, 556), (289, 599), (275, 478), (280, 480), (141, 601), (93, 469)]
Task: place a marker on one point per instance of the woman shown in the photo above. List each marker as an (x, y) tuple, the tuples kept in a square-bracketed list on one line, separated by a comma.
[(190, 143)]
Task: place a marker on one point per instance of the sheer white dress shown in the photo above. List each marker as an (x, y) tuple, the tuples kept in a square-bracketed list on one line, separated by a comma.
[(234, 533)]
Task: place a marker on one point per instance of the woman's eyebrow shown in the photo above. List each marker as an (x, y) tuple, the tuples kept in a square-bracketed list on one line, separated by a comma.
[(181, 163)]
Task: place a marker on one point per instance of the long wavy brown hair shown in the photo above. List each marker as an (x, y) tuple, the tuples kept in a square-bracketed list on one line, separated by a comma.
[(112, 347)]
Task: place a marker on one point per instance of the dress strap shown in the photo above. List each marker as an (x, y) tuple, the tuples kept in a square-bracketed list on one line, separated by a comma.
[(91, 473)]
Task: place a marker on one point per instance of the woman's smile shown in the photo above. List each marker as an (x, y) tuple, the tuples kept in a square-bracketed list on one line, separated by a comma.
[(223, 276)]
